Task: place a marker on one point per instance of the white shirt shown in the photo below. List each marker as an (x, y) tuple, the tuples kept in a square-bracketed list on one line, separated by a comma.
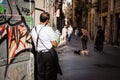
[(70, 30), (76, 32), (64, 31), (46, 35)]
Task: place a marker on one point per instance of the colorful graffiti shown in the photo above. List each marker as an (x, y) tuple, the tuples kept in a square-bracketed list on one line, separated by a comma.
[(15, 25), (18, 41)]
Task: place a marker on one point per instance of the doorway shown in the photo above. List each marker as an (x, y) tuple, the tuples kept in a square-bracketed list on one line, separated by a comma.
[(118, 29), (104, 19)]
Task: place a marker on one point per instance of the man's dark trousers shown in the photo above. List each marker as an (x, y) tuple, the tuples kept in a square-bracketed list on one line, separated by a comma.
[(45, 66)]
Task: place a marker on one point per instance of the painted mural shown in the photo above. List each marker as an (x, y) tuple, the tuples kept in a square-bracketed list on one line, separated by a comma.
[(16, 21)]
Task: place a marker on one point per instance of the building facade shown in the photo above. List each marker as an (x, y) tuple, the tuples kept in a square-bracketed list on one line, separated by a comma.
[(109, 18), (107, 14)]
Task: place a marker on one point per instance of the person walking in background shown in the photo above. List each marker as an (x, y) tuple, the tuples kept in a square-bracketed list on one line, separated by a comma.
[(84, 38), (76, 33), (64, 33), (44, 40), (99, 39), (69, 31)]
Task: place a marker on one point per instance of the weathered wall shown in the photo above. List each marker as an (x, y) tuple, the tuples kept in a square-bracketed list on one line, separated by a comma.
[(16, 59)]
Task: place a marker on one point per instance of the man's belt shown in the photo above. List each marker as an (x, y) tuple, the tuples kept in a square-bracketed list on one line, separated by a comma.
[(43, 51)]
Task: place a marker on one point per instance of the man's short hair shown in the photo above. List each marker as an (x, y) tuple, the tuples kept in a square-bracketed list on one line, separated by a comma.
[(44, 16)]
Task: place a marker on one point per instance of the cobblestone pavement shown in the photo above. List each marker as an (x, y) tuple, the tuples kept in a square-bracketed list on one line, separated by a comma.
[(96, 66)]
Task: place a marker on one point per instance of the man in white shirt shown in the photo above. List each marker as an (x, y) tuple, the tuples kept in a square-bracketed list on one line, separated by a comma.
[(44, 39), (70, 30), (64, 33)]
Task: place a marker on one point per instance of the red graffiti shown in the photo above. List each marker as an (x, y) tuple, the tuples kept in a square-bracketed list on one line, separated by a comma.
[(17, 37)]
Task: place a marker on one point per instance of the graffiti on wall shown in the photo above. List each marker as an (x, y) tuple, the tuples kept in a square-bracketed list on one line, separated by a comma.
[(18, 41), (16, 19)]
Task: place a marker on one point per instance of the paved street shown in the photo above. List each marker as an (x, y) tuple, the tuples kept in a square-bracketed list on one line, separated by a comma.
[(96, 66)]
